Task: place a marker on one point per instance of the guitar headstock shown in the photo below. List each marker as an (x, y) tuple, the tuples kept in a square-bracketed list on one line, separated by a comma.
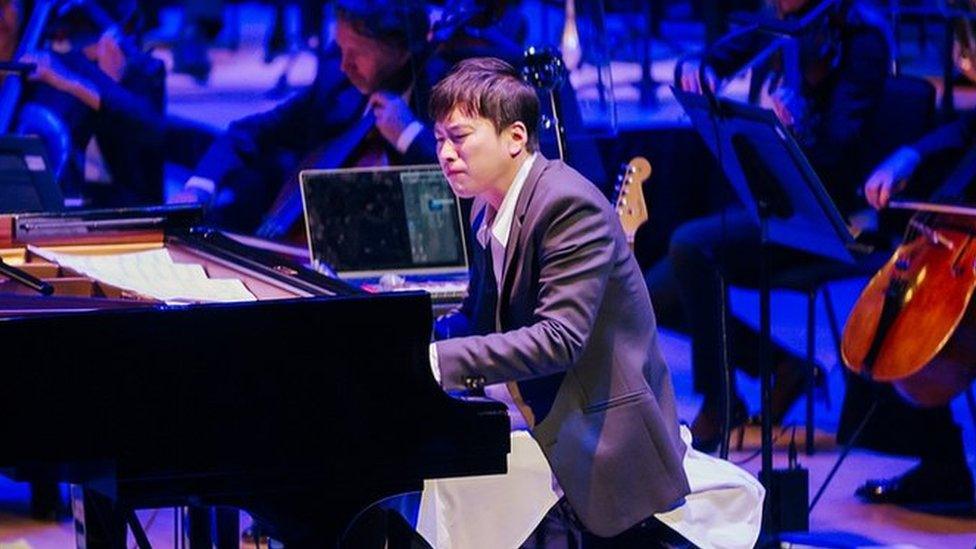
[(629, 203)]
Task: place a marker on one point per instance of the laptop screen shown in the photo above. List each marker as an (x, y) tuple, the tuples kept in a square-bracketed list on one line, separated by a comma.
[(376, 221)]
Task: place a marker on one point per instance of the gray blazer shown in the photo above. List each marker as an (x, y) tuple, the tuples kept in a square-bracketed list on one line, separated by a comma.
[(574, 327)]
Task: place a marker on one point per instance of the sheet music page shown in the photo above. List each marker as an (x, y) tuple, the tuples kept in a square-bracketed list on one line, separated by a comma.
[(153, 273)]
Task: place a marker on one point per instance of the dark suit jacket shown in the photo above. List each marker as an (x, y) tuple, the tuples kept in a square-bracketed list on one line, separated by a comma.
[(957, 135), (326, 118), (574, 327)]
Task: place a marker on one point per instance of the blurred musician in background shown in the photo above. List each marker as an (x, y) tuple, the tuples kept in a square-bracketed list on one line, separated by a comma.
[(366, 107), (844, 62), (893, 175), (100, 89), (354, 113), (942, 475), (715, 15), (131, 132), (110, 98)]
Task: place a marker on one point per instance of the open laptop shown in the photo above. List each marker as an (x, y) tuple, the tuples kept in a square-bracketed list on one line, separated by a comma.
[(387, 229)]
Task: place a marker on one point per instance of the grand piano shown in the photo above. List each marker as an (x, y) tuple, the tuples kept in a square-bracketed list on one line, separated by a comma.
[(315, 387)]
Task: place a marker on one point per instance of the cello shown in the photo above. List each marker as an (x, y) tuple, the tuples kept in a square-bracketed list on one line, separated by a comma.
[(914, 325)]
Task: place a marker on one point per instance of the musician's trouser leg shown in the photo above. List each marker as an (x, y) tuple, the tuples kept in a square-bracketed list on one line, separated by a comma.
[(556, 530), (698, 270), (560, 529), (703, 252), (665, 292), (930, 434)]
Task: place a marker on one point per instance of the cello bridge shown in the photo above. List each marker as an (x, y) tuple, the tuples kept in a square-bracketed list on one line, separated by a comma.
[(934, 236)]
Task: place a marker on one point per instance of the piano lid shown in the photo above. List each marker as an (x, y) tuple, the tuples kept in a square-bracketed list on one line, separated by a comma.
[(33, 228), (161, 226)]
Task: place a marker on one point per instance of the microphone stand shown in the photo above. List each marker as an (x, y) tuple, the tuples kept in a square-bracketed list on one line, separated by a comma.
[(784, 487), (25, 278)]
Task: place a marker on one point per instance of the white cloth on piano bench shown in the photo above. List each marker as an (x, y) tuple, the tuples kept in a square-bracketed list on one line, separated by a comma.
[(723, 510), (490, 511)]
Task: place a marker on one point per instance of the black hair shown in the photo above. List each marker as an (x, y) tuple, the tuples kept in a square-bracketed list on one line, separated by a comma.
[(490, 88)]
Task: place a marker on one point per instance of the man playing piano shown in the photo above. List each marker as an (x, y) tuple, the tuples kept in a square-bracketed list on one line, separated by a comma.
[(559, 324)]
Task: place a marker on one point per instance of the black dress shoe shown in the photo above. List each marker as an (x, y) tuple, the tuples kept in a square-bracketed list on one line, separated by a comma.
[(924, 484), (706, 429)]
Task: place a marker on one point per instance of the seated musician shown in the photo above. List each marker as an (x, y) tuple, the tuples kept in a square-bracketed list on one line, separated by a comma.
[(107, 74), (558, 323), (366, 107), (844, 65), (942, 475)]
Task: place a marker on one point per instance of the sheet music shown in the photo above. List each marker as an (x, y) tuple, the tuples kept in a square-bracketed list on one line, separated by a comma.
[(152, 273)]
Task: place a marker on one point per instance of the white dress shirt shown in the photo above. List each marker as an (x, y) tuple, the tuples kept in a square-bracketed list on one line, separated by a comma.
[(723, 510)]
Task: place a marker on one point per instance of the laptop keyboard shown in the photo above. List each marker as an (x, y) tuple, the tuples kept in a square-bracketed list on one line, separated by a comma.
[(440, 291)]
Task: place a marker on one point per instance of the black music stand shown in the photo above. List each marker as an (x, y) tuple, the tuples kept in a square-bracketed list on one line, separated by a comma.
[(776, 185)]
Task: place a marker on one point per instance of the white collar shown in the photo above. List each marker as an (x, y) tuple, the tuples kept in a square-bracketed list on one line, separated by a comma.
[(502, 225)]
